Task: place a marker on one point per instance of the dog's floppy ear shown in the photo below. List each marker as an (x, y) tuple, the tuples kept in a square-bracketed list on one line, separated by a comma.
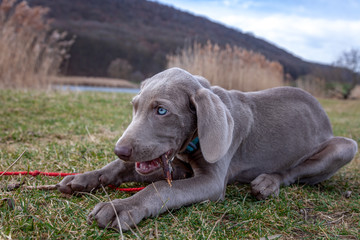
[(215, 124)]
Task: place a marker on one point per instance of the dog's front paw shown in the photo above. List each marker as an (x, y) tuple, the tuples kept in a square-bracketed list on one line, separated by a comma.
[(265, 185), (118, 214), (85, 182)]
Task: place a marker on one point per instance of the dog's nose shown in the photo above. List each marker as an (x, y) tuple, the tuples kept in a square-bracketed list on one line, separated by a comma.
[(123, 152)]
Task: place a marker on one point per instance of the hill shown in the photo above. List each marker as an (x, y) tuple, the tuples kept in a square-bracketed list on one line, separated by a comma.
[(143, 33)]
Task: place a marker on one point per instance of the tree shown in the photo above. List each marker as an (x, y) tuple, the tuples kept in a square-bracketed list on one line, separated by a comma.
[(348, 66), (119, 68)]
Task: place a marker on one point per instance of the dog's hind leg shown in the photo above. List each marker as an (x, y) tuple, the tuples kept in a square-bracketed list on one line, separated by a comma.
[(336, 153), (333, 155)]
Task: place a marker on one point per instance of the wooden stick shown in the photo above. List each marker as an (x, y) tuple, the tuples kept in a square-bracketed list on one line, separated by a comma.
[(40, 187), (14, 186)]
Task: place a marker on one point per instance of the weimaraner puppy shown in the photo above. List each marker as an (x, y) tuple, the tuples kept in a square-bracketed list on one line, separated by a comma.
[(208, 137)]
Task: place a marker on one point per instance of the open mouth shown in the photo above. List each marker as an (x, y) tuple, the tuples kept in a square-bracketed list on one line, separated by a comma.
[(163, 161), (148, 166)]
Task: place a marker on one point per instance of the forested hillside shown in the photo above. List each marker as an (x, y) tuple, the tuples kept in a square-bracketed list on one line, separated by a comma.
[(141, 33)]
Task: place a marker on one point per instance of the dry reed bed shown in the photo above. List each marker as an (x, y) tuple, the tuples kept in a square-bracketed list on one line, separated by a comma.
[(30, 53), (229, 67)]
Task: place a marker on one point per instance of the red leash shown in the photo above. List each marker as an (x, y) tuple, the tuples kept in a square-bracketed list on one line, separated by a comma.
[(57, 174), (35, 173)]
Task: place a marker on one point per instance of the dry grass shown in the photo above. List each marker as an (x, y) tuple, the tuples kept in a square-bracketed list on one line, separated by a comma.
[(231, 67), (319, 87), (314, 85), (29, 52), (355, 92)]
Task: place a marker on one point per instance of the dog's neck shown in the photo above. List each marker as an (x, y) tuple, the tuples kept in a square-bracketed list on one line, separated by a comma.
[(191, 145)]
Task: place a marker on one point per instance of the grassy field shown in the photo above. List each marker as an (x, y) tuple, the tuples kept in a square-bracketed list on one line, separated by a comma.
[(76, 132)]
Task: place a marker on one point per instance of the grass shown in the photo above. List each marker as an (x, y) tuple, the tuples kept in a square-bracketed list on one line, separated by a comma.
[(76, 132)]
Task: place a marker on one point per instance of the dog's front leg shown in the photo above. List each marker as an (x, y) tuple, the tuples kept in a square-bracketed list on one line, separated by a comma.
[(114, 173), (155, 199)]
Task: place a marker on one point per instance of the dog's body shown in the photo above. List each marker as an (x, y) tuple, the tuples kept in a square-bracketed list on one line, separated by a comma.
[(268, 138)]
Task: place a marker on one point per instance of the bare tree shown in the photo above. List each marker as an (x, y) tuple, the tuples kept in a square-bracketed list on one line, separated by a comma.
[(348, 66)]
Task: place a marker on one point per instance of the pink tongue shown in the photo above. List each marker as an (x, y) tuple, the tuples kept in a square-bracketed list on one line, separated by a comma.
[(147, 167)]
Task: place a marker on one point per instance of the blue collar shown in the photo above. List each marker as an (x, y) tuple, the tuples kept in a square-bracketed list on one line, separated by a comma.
[(193, 146)]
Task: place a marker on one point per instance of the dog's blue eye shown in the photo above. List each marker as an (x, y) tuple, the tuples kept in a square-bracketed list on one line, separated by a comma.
[(161, 111)]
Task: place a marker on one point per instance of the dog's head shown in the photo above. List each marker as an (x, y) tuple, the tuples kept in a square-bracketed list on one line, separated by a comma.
[(170, 110)]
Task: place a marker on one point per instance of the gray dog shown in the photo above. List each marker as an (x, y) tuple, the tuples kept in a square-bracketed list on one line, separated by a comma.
[(200, 138)]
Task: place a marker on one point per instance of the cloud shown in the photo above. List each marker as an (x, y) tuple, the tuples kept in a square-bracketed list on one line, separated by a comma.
[(315, 30), (311, 38), (240, 4)]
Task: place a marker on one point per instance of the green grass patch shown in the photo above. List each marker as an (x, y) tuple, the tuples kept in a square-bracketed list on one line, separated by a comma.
[(76, 132)]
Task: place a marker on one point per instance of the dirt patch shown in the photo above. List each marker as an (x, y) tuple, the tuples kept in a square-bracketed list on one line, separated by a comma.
[(93, 81)]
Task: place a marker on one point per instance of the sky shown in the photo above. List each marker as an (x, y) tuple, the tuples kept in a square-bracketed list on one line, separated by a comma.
[(314, 30)]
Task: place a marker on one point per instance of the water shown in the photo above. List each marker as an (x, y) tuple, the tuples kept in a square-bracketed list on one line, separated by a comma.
[(97, 89)]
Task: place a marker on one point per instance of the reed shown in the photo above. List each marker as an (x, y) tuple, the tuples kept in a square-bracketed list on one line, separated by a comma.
[(30, 52), (316, 86), (230, 67)]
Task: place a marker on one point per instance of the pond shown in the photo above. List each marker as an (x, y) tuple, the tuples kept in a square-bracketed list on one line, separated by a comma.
[(97, 89)]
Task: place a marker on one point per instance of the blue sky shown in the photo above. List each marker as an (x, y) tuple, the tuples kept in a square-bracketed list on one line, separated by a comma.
[(315, 30)]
